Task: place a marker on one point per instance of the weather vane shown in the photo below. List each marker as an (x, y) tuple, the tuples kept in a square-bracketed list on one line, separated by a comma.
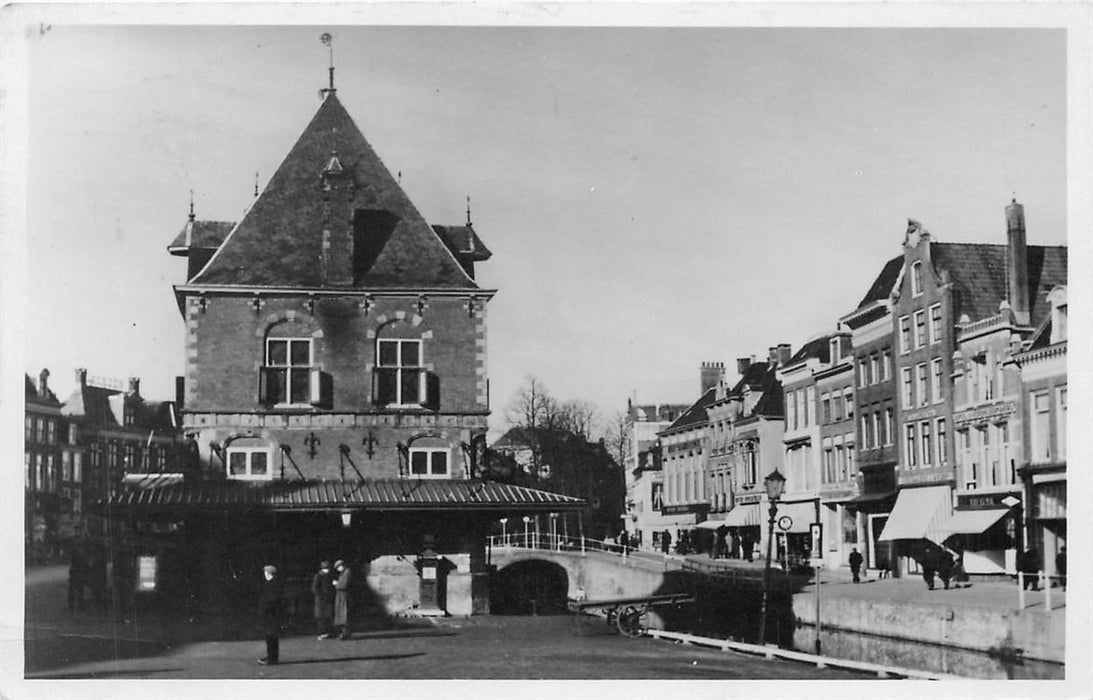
[(328, 40)]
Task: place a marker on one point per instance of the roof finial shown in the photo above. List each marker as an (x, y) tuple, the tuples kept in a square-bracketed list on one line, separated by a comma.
[(328, 40), (255, 184), (469, 211), (191, 205)]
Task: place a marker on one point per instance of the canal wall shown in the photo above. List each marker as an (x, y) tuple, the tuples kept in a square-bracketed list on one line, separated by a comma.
[(1030, 633)]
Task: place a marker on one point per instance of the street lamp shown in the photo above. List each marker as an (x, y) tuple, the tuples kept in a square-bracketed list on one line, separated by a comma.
[(504, 522), (527, 540), (775, 483)]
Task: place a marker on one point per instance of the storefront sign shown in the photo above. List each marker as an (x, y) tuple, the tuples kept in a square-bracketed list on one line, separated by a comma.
[(748, 498), (926, 476), (920, 414), (685, 508), (986, 501), (838, 495), (984, 414)]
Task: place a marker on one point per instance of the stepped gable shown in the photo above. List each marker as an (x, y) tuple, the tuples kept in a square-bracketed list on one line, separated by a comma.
[(279, 241), (978, 274)]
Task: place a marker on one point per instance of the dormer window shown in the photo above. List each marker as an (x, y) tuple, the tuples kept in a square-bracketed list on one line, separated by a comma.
[(916, 278)]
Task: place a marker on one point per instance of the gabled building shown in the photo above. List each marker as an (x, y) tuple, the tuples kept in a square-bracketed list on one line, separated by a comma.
[(959, 311), (335, 391), (875, 404), (1042, 471), (44, 436), (644, 521), (746, 425)]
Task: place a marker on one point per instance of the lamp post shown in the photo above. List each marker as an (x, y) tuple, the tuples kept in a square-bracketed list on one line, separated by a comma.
[(774, 482), (527, 540), (504, 538)]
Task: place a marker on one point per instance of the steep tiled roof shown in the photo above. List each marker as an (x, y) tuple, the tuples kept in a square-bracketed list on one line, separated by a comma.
[(771, 403), (882, 285), (696, 414), (92, 404), (978, 273), (31, 393), (202, 234), (373, 494), (819, 348), (278, 242)]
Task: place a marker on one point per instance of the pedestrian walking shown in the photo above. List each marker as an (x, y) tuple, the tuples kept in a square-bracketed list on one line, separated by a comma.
[(341, 599), (665, 542), (960, 575), (322, 587), (1029, 565), (77, 577), (1060, 566), (945, 568), (928, 561), (855, 564), (624, 542), (270, 615)]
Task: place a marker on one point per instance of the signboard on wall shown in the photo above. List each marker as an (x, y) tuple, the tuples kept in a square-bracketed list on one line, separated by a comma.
[(146, 573), (816, 532)]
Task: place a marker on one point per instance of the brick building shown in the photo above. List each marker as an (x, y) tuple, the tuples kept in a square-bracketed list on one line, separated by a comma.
[(959, 310), (47, 501), (335, 390)]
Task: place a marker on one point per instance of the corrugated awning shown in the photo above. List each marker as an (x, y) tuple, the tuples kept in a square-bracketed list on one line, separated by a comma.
[(743, 516), (377, 494), (802, 515), (973, 522), (919, 513)]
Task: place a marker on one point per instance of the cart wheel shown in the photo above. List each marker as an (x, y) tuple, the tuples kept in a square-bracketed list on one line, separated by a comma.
[(629, 622)]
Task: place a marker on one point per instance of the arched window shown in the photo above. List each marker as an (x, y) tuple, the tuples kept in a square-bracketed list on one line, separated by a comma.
[(916, 278)]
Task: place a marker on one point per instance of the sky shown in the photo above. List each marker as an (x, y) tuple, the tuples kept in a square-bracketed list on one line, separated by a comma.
[(654, 197)]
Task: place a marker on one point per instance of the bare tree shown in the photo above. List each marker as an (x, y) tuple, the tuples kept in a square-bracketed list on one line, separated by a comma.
[(578, 417), (618, 435), (533, 407)]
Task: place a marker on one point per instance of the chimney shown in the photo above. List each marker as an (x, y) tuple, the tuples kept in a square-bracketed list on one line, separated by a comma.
[(134, 386), (711, 374), (1017, 262), (43, 383), (742, 364), (784, 354), (772, 355), (81, 377)]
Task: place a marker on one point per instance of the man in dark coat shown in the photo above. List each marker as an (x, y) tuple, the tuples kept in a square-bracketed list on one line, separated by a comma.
[(322, 587), (666, 542), (341, 599), (944, 568), (270, 614), (1060, 567), (855, 564), (1029, 564)]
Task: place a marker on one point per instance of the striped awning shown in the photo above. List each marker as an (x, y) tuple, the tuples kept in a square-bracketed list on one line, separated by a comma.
[(919, 513), (743, 516), (373, 494)]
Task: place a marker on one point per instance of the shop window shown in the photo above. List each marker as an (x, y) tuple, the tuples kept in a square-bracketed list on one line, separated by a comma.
[(249, 462)]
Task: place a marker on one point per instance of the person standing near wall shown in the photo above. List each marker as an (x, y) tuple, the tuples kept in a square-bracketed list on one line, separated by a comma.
[(855, 564), (1060, 567), (341, 599), (322, 587), (270, 613)]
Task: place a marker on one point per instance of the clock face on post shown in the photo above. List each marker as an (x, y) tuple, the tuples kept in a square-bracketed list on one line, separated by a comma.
[(785, 522)]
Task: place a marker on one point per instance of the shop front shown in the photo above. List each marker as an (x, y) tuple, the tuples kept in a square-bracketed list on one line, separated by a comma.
[(744, 523), (919, 516), (984, 529)]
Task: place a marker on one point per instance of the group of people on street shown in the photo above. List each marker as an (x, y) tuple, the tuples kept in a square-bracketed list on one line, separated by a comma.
[(330, 588), (1029, 564)]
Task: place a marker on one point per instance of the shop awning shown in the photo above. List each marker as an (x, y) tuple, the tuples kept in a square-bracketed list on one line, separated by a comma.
[(372, 494), (919, 513), (973, 522), (802, 515), (710, 524), (743, 516)]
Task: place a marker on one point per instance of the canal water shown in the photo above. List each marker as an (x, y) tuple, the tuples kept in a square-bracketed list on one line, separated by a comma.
[(921, 656)]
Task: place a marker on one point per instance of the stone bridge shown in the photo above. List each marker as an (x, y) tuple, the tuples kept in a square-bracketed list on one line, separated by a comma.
[(537, 580)]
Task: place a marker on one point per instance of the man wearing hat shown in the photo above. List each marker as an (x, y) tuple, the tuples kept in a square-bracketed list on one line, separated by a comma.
[(322, 587), (341, 599), (270, 613)]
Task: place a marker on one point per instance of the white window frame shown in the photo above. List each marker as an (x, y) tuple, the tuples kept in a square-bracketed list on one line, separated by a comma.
[(874, 369), (430, 452), (886, 364), (918, 329), (925, 435), (906, 387), (935, 324), (249, 451), (936, 374), (921, 384), (941, 433), (904, 335), (1060, 422), (910, 445), (1039, 439), (916, 278), (400, 401), (289, 369)]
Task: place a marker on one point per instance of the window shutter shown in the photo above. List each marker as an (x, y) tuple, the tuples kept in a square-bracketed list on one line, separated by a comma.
[(263, 385), (376, 386), (315, 397), (432, 391)]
